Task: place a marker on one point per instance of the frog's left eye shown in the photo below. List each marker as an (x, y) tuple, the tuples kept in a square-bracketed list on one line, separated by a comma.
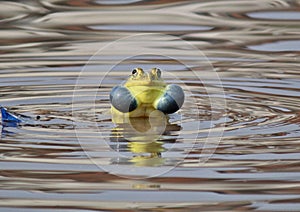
[(158, 72), (155, 73)]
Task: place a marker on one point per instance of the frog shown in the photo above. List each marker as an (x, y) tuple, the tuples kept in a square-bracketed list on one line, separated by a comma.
[(145, 92)]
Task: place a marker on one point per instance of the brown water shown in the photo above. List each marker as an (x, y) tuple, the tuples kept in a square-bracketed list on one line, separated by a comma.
[(235, 145)]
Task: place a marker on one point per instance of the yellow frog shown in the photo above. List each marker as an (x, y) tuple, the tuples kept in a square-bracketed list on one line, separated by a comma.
[(144, 93)]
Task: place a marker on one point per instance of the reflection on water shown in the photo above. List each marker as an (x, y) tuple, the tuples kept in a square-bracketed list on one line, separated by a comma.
[(144, 138), (90, 162)]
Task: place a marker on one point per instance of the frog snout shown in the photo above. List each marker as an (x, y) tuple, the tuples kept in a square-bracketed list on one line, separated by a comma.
[(149, 78)]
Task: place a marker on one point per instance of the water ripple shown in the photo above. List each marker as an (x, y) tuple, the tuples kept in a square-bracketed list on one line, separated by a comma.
[(253, 46)]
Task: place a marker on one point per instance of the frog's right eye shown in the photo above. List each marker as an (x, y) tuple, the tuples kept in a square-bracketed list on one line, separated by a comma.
[(134, 72), (137, 72)]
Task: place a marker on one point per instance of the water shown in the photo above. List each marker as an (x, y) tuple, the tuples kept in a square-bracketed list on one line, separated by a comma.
[(233, 146)]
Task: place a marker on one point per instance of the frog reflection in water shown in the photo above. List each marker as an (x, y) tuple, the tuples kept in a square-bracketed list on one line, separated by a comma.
[(145, 138), (140, 109)]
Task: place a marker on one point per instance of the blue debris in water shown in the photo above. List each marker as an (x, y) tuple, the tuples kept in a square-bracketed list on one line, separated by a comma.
[(8, 118)]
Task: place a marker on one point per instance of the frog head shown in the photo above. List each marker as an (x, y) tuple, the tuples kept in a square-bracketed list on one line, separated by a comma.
[(144, 92), (139, 77)]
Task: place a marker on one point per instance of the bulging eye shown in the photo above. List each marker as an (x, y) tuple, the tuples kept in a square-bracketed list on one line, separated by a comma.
[(158, 72), (137, 72), (134, 72)]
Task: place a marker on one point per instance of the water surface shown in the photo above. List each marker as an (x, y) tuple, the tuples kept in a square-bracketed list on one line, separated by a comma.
[(76, 159)]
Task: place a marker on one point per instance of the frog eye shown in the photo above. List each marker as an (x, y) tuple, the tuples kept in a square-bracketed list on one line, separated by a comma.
[(155, 73), (134, 72), (137, 71), (158, 72)]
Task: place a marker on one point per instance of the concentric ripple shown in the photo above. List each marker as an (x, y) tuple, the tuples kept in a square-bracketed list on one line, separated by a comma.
[(253, 47)]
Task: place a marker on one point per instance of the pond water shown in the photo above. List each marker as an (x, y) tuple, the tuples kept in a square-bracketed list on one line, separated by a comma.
[(234, 145)]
